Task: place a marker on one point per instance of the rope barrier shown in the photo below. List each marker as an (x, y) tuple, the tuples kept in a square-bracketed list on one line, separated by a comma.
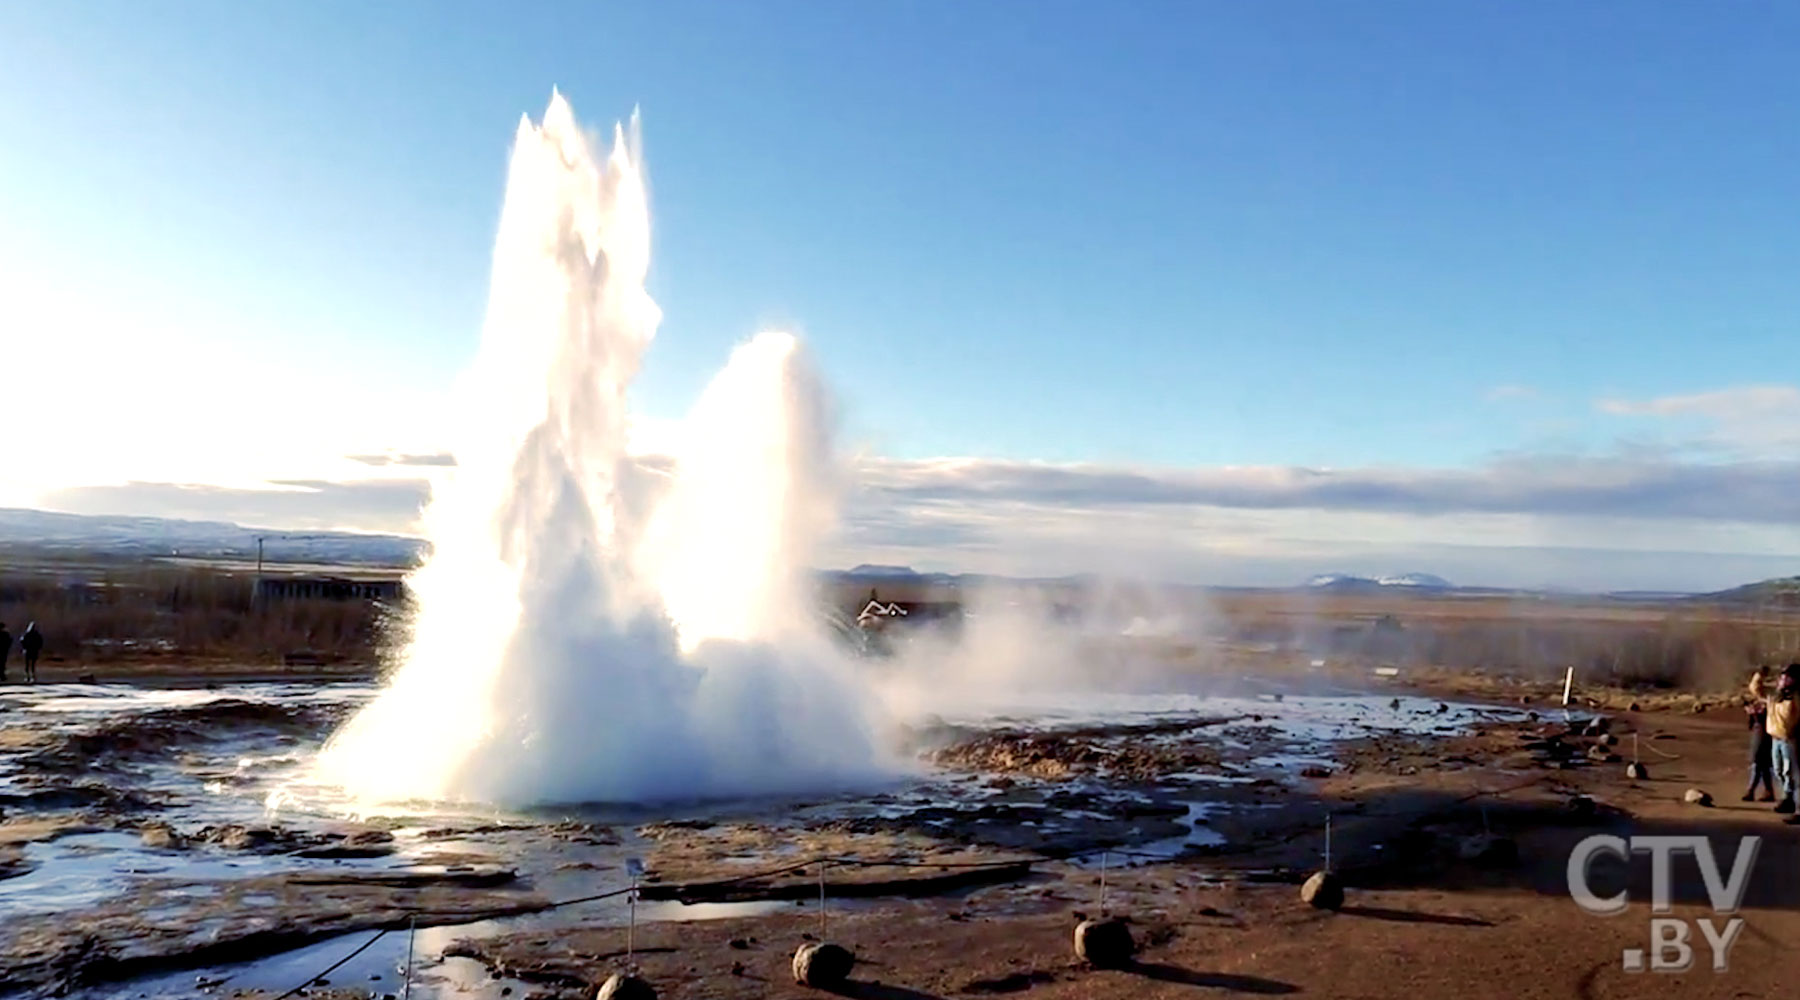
[(336, 965), (823, 861)]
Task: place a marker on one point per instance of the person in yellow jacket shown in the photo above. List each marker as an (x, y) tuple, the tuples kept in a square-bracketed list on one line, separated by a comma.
[(1784, 725)]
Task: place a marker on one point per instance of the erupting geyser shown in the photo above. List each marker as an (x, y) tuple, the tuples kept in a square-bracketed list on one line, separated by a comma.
[(578, 639)]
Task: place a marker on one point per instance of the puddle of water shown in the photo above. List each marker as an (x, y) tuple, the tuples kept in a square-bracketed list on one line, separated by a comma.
[(228, 780), (379, 970)]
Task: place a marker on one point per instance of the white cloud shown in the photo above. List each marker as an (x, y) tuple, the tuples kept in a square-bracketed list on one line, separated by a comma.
[(1759, 420), (1510, 392)]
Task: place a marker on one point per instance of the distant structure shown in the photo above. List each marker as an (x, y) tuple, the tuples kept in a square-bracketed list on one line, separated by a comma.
[(328, 588), (876, 615)]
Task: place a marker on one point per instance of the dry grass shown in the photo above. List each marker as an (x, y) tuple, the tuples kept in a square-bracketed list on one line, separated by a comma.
[(193, 615), (157, 613), (1674, 645), (1628, 645)]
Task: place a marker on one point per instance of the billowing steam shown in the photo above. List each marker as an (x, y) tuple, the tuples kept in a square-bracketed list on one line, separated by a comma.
[(570, 645)]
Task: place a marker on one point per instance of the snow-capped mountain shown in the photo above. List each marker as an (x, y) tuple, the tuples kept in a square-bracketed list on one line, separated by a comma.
[(48, 532), (1346, 581), (1424, 580)]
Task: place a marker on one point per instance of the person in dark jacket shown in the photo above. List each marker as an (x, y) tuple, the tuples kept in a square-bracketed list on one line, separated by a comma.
[(32, 642), (5, 651), (1762, 745)]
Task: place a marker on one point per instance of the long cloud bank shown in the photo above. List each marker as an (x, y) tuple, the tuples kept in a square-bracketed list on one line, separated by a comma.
[(1749, 492), (1597, 523)]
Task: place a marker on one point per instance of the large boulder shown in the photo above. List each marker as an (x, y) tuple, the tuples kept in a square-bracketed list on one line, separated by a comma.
[(1696, 797), (1323, 891), (1104, 944), (1636, 771), (622, 987), (823, 965)]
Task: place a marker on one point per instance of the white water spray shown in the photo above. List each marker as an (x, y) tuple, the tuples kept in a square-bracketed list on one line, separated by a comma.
[(571, 643)]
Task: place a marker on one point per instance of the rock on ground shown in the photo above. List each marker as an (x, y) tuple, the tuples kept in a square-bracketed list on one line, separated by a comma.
[(622, 987), (822, 965), (1324, 891), (1104, 944)]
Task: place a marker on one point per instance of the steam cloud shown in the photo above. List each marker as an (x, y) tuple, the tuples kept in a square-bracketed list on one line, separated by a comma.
[(573, 644)]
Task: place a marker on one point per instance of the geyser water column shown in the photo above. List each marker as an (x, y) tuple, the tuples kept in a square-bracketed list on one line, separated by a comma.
[(572, 643)]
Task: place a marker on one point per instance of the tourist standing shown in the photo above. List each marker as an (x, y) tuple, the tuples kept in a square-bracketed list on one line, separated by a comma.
[(32, 642), (1783, 725), (1756, 708)]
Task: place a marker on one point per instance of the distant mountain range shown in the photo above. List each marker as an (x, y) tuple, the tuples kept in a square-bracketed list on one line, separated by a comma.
[(46, 533), (1780, 592)]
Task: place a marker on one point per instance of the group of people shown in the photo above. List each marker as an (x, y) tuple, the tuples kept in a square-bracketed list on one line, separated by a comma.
[(31, 643), (1772, 706)]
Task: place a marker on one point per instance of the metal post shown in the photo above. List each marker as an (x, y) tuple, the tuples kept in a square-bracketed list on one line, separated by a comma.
[(1568, 685), (631, 928), (1104, 856), (1327, 841), (412, 935), (822, 923)]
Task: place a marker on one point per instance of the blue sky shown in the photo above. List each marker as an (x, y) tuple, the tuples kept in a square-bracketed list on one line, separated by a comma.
[(1167, 236)]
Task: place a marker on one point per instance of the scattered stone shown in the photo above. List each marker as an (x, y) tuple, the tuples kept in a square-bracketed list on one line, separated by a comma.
[(365, 837), (1633, 707), (822, 965), (1442, 708), (1636, 771), (739, 944), (1315, 771), (1696, 797), (1583, 807), (1608, 739), (1489, 850), (623, 987), (1597, 725), (1324, 891), (161, 837), (345, 850), (1104, 944), (240, 838), (1602, 754)]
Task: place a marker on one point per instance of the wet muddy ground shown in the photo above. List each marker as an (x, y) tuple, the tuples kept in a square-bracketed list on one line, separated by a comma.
[(140, 855)]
